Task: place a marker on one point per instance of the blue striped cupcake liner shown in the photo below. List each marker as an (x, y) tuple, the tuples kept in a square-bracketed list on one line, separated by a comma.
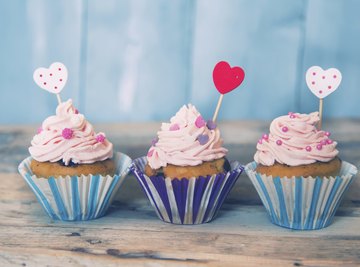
[(186, 201), (76, 198), (302, 203)]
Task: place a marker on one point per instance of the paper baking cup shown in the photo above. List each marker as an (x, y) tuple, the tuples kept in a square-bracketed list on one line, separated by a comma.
[(302, 203), (186, 201), (76, 198)]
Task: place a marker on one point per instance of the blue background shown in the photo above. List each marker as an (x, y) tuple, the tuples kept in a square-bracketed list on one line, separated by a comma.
[(140, 60)]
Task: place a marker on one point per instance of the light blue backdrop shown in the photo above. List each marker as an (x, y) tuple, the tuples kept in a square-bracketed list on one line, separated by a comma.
[(140, 60)]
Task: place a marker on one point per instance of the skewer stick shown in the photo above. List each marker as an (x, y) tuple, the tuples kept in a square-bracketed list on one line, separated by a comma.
[(320, 113), (217, 107), (58, 98)]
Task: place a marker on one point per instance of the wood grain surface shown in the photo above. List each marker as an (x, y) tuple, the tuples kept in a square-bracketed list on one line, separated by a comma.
[(131, 234)]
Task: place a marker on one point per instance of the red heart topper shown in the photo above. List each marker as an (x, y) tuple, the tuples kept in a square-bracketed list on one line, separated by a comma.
[(227, 78)]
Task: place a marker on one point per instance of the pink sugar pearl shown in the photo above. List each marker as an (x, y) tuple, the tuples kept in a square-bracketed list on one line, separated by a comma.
[(200, 122), (323, 142), (308, 148), (265, 136), (285, 129), (100, 138), (319, 147), (67, 133), (279, 142), (327, 134), (329, 141)]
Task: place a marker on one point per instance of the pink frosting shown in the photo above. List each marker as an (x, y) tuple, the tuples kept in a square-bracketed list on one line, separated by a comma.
[(183, 141), (67, 136), (294, 140)]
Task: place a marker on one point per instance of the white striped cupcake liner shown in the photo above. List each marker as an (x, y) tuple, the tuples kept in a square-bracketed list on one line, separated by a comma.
[(186, 201), (302, 203), (76, 198)]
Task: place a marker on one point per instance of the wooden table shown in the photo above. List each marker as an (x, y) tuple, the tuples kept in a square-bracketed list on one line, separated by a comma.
[(131, 233)]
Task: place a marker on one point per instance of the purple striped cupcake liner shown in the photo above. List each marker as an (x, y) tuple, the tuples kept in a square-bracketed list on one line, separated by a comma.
[(186, 201), (76, 198), (302, 203)]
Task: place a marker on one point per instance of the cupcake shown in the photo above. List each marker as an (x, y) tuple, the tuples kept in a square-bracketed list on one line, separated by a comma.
[(185, 174), (298, 174), (72, 170)]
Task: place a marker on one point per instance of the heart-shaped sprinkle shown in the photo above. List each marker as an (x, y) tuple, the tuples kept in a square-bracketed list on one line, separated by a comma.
[(211, 125), (226, 78), (67, 133), (150, 153), (174, 127), (323, 82), (203, 139), (200, 122), (154, 141), (52, 79)]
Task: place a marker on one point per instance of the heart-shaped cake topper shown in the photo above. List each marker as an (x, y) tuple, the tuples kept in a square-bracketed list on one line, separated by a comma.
[(52, 79), (227, 78), (323, 82)]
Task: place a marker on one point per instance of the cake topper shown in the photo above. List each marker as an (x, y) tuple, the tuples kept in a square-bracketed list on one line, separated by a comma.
[(52, 79), (322, 83), (226, 79)]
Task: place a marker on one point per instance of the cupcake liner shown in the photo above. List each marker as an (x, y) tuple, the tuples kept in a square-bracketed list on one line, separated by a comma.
[(76, 198), (302, 203), (186, 201)]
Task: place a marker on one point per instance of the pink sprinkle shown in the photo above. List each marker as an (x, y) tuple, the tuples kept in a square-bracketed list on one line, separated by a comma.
[(76, 111), (323, 77), (327, 134), (40, 129), (150, 153), (50, 74), (59, 69), (265, 136), (44, 83), (334, 76), (60, 80), (67, 133), (200, 122), (323, 142), (100, 138), (55, 87), (308, 148), (320, 92), (40, 75), (329, 87), (319, 146), (174, 127), (313, 83), (329, 141), (292, 116), (279, 142), (260, 141), (285, 129), (314, 73)]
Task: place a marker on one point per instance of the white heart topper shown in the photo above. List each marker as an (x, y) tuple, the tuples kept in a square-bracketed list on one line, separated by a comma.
[(52, 79), (323, 82)]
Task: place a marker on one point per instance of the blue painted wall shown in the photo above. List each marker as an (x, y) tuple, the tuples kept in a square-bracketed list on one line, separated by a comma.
[(140, 60)]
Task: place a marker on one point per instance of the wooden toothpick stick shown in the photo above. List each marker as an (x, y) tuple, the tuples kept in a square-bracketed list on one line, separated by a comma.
[(320, 113), (218, 107)]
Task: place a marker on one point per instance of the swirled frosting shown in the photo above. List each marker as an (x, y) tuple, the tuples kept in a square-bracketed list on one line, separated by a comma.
[(186, 141), (69, 137), (294, 140)]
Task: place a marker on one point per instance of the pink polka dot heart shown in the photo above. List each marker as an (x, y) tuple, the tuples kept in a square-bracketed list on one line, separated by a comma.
[(322, 82), (52, 79)]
